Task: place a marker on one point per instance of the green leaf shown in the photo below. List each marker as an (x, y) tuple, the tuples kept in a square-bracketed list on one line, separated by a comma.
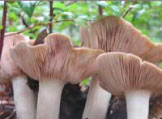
[(86, 81), (67, 15), (13, 16), (1, 27), (28, 7)]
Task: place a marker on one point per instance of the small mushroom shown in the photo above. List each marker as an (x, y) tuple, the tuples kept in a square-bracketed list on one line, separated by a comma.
[(126, 74), (113, 34), (24, 97), (54, 63)]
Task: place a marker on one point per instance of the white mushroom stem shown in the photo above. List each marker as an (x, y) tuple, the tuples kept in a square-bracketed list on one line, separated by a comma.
[(49, 97), (24, 98), (97, 102), (137, 102)]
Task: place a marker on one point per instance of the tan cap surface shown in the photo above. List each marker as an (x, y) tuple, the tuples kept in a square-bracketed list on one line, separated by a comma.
[(8, 66), (120, 72), (56, 59), (115, 34)]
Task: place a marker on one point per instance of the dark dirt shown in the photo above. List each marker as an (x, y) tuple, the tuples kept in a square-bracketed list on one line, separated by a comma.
[(72, 105)]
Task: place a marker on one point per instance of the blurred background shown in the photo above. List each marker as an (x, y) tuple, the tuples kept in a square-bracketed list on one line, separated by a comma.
[(146, 16)]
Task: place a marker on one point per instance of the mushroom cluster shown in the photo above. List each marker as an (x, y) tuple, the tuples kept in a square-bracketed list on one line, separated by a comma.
[(119, 59), (54, 63), (113, 34)]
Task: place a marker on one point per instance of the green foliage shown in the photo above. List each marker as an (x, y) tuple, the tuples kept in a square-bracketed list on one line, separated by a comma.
[(27, 7), (1, 27), (85, 82)]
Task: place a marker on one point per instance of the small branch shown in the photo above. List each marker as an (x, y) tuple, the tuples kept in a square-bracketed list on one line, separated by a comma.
[(100, 10), (12, 115), (40, 24), (69, 3), (124, 6), (2, 32), (51, 16), (129, 9)]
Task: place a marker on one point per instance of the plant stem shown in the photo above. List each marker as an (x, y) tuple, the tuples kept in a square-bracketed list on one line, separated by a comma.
[(129, 9), (51, 16), (40, 24), (100, 10), (4, 26)]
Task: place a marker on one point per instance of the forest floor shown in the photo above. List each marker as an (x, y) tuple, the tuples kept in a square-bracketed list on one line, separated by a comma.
[(72, 105)]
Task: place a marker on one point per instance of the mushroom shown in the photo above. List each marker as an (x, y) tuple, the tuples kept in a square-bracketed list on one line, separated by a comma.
[(54, 63), (114, 34), (24, 97), (126, 74)]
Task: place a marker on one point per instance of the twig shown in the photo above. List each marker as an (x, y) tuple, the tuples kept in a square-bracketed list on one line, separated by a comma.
[(40, 24), (69, 3), (51, 16), (100, 11), (129, 9), (124, 6), (4, 26), (12, 115)]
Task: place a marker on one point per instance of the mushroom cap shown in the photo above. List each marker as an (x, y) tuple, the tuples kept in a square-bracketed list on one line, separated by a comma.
[(55, 59), (5, 83), (114, 34), (121, 72), (81, 63), (8, 66), (154, 55)]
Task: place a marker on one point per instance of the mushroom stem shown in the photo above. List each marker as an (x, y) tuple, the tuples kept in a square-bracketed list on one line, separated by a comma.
[(24, 98), (97, 101), (137, 102), (49, 98)]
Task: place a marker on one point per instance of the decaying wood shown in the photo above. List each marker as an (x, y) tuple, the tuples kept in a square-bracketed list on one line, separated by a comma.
[(40, 38)]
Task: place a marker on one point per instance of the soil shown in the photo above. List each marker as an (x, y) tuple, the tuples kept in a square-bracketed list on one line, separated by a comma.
[(72, 105)]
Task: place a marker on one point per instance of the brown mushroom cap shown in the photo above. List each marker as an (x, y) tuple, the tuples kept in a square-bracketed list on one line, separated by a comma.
[(56, 59), (128, 72), (114, 34), (8, 66), (154, 55), (81, 63)]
